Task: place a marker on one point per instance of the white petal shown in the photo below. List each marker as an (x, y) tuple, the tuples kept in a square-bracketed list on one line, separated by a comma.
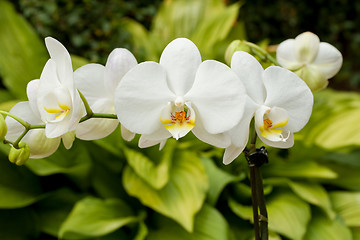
[(31, 91), (285, 55), (306, 47), (48, 81), (77, 112), (89, 79), (249, 70), (240, 133), (328, 60), (159, 136), (279, 144), (231, 153), (119, 62), (313, 77), (126, 134), (180, 58), (23, 111), (61, 56), (97, 128), (68, 139), (286, 90), (141, 96), (221, 140), (39, 145), (218, 96), (57, 129)]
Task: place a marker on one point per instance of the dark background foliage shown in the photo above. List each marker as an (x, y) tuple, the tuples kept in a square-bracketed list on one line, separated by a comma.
[(91, 28)]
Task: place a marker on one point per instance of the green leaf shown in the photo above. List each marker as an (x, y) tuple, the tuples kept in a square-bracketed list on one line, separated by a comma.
[(155, 175), (53, 210), (324, 228), (183, 195), (347, 205), (288, 215), (215, 29), (348, 176), (311, 192), (355, 233), (22, 53), (334, 122), (209, 225), (303, 169), (18, 224), (18, 186), (218, 179), (93, 217), (75, 162)]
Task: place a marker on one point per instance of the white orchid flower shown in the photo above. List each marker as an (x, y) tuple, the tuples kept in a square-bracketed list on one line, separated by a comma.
[(59, 104), (314, 61), (98, 83), (280, 101), (178, 95), (40, 146)]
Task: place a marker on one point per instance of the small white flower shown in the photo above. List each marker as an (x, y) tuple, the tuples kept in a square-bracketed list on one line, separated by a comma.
[(98, 83), (58, 102), (178, 95), (280, 101), (314, 61), (40, 146)]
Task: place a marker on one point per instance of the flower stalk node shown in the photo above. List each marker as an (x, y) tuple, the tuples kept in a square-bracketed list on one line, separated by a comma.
[(258, 158)]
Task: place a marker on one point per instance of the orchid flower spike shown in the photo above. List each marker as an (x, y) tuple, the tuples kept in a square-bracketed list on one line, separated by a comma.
[(280, 101), (40, 146), (313, 61), (59, 103), (98, 83), (178, 95)]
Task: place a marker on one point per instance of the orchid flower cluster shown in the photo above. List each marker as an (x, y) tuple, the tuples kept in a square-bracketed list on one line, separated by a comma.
[(179, 94)]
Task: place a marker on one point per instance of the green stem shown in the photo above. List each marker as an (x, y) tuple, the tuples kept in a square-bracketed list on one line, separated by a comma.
[(257, 194), (261, 53), (22, 122), (89, 112)]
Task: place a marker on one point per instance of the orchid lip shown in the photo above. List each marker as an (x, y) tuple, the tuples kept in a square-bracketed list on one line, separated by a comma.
[(178, 120)]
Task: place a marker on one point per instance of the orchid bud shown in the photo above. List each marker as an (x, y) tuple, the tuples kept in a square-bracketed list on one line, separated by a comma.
[(3, 127), (236, 45), (19, 155)]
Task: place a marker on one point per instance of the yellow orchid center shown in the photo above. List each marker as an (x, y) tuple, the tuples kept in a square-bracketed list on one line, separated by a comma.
[(60, 112), (178, 120), (272, 125)]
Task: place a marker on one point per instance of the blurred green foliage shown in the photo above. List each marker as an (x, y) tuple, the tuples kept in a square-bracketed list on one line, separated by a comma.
[(108, 189)]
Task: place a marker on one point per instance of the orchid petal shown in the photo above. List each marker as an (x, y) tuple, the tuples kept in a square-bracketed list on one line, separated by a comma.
[(31, 91), (306, 47), (68, 139), (180, 58), (218, 95), (221, 140), (77, 112), (240, 133), (249, 70), (126, 134), (119, 62), (57, 129), (48, 81), (328, 60), (39, 145), (140, 97), (89, 80), (285, 55), (286, 90), (61, 56), (313, 77), (279, 144), (231, 153), (144, 142), (97, 128)]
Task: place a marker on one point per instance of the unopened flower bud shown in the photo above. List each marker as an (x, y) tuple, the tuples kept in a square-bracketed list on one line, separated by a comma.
[(3, 127), (236, 45), (19, 155)]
